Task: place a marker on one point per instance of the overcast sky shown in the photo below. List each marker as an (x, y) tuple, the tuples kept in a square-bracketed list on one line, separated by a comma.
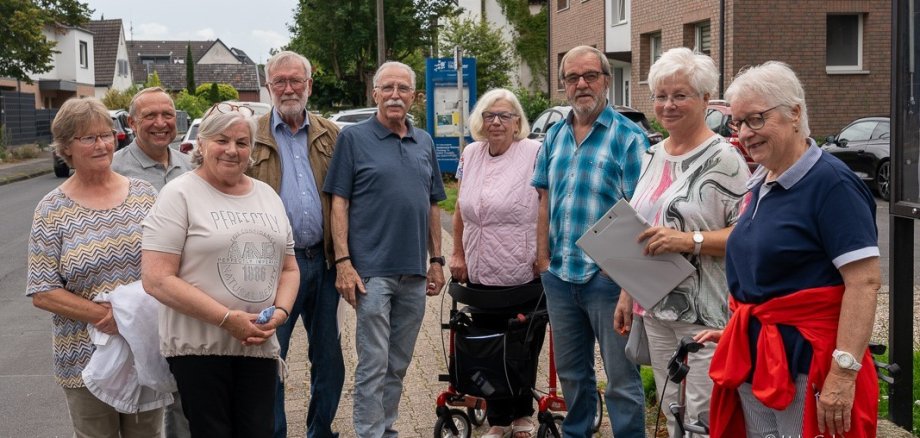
[(252, 26)]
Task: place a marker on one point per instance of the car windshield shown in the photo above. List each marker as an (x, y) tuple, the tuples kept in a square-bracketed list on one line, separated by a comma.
[(193, 132)]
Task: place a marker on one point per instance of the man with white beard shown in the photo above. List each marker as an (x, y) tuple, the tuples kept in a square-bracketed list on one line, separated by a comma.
[(385, 186), (292, 151)]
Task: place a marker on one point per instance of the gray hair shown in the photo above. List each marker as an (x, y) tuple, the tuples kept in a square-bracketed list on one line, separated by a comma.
[(699, 69), (389, 64), (580, 50), (132, 109), (74, 116), (775, 83), (288, 57), (485, 102), (215, 124)]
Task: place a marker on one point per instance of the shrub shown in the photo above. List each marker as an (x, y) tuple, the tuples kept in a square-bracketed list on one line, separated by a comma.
[(194, 105), (115, 99), (533, 102), (25, 152), (656, 125), (224, 92)]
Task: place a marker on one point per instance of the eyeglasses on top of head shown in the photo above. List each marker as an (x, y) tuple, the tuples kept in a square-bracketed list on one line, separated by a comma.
[(89, 140), (281, 84), (754, 121), (490, 117), (226, 108), (589, 77), (388, 89)]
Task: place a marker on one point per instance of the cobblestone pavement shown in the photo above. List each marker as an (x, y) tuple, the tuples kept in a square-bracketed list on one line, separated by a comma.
[(416, 409)]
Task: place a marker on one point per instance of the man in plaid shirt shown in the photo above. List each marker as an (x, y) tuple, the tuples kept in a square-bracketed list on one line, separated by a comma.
[(587, 163)]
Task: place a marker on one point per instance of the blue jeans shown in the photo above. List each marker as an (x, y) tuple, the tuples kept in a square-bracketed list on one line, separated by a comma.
[(579, 314), (389, 316), (316, 304)]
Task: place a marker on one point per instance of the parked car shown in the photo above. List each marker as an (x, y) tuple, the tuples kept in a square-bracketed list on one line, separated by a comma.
[(550, 116), (190, 140), (123, 136), (865, 147), (718, 116), (352, 116)]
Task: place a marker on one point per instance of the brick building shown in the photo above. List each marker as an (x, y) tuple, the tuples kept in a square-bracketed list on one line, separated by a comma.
[(841, 49)]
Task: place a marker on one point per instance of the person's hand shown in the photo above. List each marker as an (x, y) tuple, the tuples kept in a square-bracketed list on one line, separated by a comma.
[(835, 404), (708, 335), (107, 323), (622, 315), (241, 325), (278, 318), (348, 283), (661, 240), (435, 279), (541, 265), (458, 270)]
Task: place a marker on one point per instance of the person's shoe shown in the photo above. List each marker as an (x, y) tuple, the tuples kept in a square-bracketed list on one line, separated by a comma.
[(522, 427), (498, 432)]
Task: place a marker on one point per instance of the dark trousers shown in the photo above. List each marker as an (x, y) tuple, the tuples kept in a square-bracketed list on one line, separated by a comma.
[(226, 396), (501, 412)]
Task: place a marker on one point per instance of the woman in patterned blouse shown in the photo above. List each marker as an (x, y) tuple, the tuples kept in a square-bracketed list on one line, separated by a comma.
[(86, 240)]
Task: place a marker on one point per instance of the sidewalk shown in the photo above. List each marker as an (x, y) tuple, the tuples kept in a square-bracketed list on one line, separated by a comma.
[(21, 170)]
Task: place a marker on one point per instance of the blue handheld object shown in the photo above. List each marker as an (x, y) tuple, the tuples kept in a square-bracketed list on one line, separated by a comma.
[(265, 315)]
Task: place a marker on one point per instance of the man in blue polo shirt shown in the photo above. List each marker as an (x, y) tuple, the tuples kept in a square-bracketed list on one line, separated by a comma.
[(385, 186), (586, 165)]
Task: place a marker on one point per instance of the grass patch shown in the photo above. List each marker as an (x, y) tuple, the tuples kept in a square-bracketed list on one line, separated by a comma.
[(905, 374), (451, 186)]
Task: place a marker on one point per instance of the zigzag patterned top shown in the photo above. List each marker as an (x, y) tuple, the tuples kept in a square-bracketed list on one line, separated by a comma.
[(85, 252)]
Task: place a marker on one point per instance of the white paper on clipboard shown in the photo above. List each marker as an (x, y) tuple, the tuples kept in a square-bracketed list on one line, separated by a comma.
[(611, 242)]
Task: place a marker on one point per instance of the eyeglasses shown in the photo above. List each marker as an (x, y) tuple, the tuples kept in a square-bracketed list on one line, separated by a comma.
[(226, 108), (296, 84), (388, 89), (490, 117), (678, 99), (754, 121), (589, 77), (89, 140)]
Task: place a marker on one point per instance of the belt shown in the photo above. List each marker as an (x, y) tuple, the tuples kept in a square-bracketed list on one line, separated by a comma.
[(311, 251)]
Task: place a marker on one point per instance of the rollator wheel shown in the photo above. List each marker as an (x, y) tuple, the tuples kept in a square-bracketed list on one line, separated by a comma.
[(545, 432), (599, 415), (460, 421), (477, 416)]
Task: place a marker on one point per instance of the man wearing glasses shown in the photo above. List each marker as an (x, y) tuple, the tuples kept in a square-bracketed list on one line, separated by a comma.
[(385, 186), (292, 151), (152, 116), (586, 165)]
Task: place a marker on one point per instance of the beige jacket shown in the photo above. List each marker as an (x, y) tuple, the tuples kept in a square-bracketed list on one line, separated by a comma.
[(267, 167)]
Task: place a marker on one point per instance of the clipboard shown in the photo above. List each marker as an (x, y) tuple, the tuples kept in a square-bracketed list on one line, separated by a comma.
[(611, 242)]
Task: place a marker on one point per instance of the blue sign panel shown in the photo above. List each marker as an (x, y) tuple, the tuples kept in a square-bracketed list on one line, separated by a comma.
[(443, 107)]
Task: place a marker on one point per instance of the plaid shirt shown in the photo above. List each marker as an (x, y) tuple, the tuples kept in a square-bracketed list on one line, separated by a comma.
[(583, 182)]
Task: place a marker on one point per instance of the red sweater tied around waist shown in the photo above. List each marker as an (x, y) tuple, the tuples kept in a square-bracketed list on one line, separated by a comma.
[(815, 313)]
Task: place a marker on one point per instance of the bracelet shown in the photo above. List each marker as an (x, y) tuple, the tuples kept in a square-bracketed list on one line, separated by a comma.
[(342, 259), (222, 321), (286, 313)]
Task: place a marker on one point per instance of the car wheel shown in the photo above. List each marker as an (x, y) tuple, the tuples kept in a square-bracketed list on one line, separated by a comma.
[(61, 169), (883, 180)]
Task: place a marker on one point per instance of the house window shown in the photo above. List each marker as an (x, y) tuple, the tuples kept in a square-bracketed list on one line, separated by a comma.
[(844, 42), (702, 38), (619, 12), (122, 67), (84, 54), (562, 4), (654, 41)]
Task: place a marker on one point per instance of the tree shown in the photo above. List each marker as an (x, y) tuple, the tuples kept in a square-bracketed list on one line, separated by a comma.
[(224, 92), (23, 45), (530, 43), (189, 70), (485, 44), (194, 105), (115, 99), (153, 80)]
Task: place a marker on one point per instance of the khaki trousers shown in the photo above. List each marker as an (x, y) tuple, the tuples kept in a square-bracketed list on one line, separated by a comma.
[(92, 418)]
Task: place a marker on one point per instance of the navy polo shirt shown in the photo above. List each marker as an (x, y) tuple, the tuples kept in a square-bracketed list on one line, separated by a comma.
[(390, 183), (795, 234)]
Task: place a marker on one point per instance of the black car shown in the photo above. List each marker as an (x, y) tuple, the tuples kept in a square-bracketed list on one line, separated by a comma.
[(551, 115), (123, 136), (864, 146)]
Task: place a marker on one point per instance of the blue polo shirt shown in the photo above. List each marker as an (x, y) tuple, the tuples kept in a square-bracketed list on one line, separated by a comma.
[(299, 191), (390, 183), (584, 181), (795, 234)]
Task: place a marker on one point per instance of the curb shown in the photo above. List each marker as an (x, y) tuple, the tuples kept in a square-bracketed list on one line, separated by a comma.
[(15, 177)]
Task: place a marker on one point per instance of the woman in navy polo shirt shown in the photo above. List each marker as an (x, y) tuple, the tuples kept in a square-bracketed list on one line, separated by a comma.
[(801, 262)]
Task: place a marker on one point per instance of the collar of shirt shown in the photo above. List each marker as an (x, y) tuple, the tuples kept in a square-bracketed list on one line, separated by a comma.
[(381, 131), (605, 118), (278, 122), (794, 173)]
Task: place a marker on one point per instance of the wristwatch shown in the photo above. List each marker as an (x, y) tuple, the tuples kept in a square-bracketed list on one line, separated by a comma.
[(697, 242), (439, 260), (846, 360)]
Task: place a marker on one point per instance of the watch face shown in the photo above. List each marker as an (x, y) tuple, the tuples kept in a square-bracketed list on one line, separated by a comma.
[(697, 238), (845, 361)]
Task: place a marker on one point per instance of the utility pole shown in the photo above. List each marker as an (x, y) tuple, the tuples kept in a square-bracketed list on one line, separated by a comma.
[(381, 40)]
